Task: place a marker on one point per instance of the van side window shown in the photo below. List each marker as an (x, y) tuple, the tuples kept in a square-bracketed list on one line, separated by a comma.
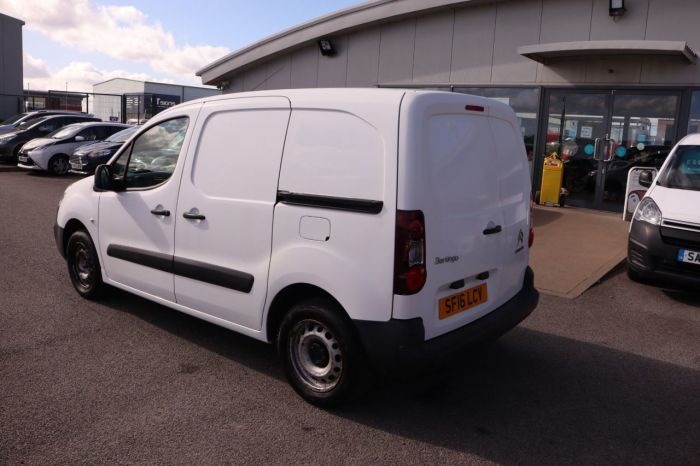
[(154, 154)]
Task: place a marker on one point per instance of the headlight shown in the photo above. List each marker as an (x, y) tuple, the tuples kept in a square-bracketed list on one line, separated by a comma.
[(6, 138), (648, 211), (101, 153)]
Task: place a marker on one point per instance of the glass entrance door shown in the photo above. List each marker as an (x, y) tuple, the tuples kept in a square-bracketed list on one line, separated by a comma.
[(600, 135)]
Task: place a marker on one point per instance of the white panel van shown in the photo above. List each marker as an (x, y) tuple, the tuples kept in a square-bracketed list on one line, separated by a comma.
[(355, 229)]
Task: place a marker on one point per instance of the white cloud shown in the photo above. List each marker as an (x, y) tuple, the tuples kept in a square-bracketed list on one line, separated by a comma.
[(121, 32), (79, 76)]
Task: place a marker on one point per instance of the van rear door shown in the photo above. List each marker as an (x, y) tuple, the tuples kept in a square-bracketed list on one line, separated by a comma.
[(449, 169)]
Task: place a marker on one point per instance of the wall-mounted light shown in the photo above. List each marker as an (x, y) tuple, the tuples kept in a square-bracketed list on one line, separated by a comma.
[(617, 8), (326, 47)]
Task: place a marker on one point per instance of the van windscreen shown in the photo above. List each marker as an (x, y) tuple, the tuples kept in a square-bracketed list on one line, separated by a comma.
[(683, 170)]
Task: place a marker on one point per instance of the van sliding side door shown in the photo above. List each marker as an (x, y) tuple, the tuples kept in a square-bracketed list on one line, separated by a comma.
[(223, 228)]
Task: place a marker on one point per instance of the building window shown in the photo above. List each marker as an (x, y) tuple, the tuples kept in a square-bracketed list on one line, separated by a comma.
[(694, 120), (525, 103)]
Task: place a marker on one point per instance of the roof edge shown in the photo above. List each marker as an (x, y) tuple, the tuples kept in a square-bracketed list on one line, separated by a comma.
[(374, 11)]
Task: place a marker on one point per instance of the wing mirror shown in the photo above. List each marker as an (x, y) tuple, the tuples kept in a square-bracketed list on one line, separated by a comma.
[(79, 138), (646, 178), (104, 179)]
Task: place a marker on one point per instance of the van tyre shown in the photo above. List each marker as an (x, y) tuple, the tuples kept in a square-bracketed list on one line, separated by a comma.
[(322, 357), (58, 165), (84, 265)]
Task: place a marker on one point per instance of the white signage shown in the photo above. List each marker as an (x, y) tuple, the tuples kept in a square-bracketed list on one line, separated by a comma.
[(587, 132)]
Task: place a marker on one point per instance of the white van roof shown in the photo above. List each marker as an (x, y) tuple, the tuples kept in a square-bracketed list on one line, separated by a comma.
[(691, 140), (325, 97)]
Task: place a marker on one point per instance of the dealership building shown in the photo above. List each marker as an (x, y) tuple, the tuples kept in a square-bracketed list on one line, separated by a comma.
[(141, 99), (576, 72)]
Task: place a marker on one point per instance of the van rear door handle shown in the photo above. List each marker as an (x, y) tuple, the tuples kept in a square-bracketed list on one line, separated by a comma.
[(493, 230), (163, 212), (193, 216)]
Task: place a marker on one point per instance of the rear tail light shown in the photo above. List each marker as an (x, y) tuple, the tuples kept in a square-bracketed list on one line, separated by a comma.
[(409, 252), (531, 238)]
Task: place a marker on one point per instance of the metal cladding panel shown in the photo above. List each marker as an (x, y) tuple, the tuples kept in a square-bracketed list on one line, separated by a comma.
[(556, 25), (304, 71), (473, 25), (255, 79), (363, 58), (396, 52), (433, 53), (665, 23), (279, 73), (568, 71), (625, 70), (516, 24)]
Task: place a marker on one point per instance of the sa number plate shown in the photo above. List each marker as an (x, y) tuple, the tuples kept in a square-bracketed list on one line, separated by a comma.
[(691, 257)]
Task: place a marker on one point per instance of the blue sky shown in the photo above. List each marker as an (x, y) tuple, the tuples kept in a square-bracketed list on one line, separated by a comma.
[(85, 41)]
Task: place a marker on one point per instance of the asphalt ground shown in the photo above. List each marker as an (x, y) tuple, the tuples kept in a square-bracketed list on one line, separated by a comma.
[(612, 377)]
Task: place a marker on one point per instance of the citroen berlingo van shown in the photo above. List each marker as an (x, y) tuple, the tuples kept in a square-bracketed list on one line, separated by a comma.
[(355, 229), (664, 238)]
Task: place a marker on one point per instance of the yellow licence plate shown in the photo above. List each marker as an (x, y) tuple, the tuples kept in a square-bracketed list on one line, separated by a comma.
[(462, 301)]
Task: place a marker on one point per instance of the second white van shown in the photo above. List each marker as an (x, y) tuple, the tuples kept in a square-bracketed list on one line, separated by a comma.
[(355, 229)]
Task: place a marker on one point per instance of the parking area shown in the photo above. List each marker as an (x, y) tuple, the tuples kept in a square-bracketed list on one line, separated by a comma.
[(610, 377)]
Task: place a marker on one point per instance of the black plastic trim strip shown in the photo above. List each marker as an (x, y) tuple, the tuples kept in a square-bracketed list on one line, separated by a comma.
[(221, 276), (365, 206), (201, 271), (154, 260)]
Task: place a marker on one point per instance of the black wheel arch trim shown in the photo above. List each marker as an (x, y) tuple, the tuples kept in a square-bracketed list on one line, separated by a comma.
[(196, 270)]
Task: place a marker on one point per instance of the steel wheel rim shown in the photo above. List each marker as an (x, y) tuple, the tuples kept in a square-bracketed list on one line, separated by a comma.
[(59, 166), (83, 266), (315, 355)]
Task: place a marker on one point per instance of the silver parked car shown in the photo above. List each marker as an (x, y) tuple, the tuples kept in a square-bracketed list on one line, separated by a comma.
[(52, 152)]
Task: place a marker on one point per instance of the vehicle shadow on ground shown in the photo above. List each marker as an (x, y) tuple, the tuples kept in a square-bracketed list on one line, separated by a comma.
[(527, 398), (533, 397), (252, 353), (541, 217), (685, 297)]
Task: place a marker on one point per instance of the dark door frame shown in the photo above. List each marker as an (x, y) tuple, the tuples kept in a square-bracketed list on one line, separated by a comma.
[(681, 114)]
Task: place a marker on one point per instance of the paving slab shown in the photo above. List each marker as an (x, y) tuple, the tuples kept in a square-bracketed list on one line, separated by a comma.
[(574, 248)]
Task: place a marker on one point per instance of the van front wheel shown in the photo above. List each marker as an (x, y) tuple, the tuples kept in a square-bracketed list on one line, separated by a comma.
[(84, 266), (322, 359)]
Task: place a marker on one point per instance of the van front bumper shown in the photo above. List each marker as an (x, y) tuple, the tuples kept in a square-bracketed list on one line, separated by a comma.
[(652, 255), (398, 346)]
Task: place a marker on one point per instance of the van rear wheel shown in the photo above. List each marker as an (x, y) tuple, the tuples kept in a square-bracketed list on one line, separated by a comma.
[(322, 358)]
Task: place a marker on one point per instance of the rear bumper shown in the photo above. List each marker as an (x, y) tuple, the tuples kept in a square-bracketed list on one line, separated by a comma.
[(398, 346), (654, 260)]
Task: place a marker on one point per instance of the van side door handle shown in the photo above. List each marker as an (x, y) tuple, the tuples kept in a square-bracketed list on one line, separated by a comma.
[(193, 216), (163, 212), (493, 230)]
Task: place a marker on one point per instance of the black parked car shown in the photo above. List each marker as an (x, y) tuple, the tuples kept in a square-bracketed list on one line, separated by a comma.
[(12, 142), (23, 120), (86, 158)]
